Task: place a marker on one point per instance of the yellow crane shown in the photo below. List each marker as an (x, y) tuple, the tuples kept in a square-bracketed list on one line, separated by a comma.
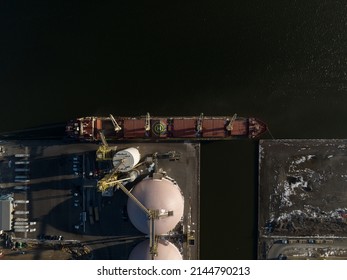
[(104, 152), (110, 180)]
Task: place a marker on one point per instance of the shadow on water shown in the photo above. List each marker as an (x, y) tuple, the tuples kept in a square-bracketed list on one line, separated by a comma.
[(51, 131), (228, 200)]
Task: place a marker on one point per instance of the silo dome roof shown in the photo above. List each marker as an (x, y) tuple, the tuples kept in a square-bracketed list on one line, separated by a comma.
[(166, 251), (156, 194)]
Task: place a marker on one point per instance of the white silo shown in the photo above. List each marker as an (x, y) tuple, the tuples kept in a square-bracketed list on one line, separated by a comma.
[(156, 194), (126, 159), (166, 251)]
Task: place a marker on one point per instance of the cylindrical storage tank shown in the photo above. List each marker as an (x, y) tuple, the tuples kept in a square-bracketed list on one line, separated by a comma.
[(126, 159), (166, 251), (156, 194)]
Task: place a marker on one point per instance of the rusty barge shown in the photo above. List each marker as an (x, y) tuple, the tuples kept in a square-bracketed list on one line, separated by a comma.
[(160, 128)]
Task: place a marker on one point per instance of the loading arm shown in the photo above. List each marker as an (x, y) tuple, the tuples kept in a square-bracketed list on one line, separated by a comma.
[(199, 123), (148, 122), (106, 183), (115, 124), (104, 151), (230, 125), (103, 139)]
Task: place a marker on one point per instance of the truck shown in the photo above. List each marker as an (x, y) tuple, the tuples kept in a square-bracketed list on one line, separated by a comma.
[(22, 188), (20, 180), (21, 212), (21, 201), (21, 155), (17, 227), (24, 162), (21, 223), (21, 219), (21, 230), (21, 170)]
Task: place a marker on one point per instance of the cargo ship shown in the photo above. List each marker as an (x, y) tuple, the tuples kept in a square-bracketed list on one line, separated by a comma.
[(201, 127)]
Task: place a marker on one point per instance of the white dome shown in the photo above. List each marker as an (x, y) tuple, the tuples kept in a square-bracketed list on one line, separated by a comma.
[(156, 194), (166, 251)]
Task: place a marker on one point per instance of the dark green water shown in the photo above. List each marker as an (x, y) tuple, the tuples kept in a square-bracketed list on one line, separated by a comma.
[(282, 61)]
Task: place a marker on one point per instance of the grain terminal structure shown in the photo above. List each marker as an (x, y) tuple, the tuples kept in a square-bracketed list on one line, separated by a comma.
[(70, 198), (111, 200)]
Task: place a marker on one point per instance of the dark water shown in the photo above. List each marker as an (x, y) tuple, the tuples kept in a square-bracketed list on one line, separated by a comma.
[(282, 61)]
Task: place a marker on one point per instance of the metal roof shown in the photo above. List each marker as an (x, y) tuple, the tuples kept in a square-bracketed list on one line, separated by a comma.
[(6, 208)]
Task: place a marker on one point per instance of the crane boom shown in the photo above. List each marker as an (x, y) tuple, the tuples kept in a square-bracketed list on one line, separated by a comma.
[(128, 193), (104, 152), (115, 124), (148, 122), (199, 123), (103, 139), (230, 125)]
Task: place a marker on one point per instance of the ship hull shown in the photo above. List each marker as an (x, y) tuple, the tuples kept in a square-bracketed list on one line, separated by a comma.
[(164, 128)]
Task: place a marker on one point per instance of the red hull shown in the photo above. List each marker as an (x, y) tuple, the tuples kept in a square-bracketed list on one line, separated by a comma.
[(145, 127)]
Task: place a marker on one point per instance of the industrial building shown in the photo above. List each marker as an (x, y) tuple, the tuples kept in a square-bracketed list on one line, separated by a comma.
[(6, 209), (107, 201)]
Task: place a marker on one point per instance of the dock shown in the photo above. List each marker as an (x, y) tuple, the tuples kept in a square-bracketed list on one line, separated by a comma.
[(60, 185), (302, 199)]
